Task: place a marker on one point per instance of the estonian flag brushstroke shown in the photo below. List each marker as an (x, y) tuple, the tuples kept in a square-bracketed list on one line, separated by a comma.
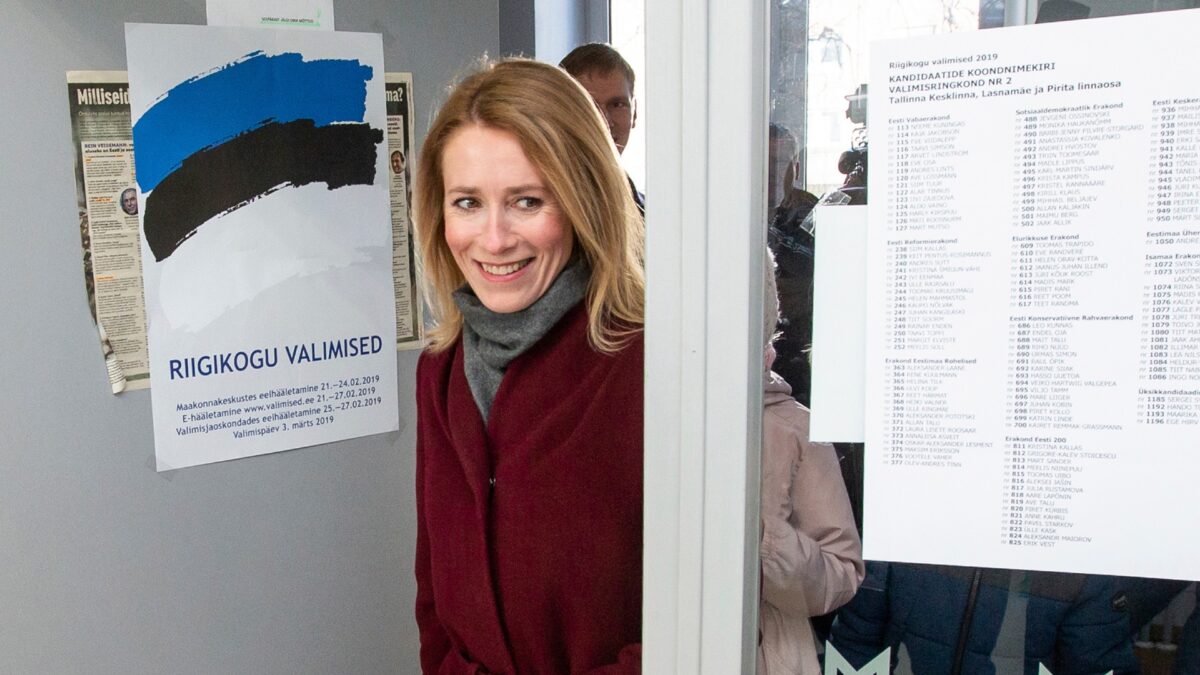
[(220, 140)]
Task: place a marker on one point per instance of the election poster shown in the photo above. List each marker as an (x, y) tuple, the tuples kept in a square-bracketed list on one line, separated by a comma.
[(1033, 294), (266, 240), (108, 225), (409, 327)]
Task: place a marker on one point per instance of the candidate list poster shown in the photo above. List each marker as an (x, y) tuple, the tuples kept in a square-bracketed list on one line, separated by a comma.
[(1034, 298), (266, 238)]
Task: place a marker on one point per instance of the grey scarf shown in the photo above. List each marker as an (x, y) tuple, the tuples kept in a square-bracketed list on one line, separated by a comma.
[(491, 341)]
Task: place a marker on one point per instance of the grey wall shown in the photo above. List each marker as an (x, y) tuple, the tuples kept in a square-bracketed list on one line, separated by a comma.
[(558, 25), (298, 562), (517, 28), (548, 29)]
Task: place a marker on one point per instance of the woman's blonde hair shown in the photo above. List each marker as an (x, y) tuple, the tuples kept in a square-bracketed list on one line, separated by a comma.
[(564, 137)]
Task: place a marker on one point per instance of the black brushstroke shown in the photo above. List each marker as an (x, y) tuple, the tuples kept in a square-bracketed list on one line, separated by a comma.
[(216, 181)]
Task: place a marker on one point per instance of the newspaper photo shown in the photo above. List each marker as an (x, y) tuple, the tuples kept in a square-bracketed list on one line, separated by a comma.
[(409, 330), (107, 198)]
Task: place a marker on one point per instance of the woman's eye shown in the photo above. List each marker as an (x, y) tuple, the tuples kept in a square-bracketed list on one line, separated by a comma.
[(528, 203), (465, 203)]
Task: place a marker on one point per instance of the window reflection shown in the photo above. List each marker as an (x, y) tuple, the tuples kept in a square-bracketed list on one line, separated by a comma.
[(627, 19), (930, 618), (838, 35)]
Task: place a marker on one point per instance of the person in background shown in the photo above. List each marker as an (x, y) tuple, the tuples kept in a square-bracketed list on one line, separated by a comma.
[(529, 396), (1187, 659), (609, 79), (1147, 598), (794, 248), (810, 553), (952, 619), (783, 153)]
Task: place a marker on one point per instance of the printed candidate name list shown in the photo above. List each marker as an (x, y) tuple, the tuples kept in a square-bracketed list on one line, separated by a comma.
[(1033, 350)]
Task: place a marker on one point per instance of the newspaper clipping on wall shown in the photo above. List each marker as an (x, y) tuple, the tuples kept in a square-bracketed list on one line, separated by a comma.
[(409, 333), (108, 222)]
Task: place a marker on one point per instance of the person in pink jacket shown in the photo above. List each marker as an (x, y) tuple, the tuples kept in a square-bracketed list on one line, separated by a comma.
[(810, 554)]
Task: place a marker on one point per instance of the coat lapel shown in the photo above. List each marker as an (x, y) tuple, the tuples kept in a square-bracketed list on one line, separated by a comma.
[(467, 432), (469, 438)]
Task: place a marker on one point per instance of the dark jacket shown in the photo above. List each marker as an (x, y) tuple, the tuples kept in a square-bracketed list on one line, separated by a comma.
[(794, 248), (1074, 624), (639, 199), (529, 532)]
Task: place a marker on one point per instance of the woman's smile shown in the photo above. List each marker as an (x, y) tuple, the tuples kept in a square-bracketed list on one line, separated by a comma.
[(498, 270)]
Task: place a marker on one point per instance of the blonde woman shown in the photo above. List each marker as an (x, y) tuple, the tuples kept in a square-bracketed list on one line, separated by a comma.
[(529, 396)]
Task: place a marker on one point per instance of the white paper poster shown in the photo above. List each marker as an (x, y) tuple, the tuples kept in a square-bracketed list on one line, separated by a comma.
[(266, 238), (839, 324), (1034, 298), (303, 14)]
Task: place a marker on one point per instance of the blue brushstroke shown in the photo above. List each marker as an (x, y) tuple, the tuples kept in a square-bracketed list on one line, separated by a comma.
[(255, 90)]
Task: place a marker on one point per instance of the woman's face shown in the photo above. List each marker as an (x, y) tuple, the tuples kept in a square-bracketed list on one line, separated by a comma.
[(503, 226)]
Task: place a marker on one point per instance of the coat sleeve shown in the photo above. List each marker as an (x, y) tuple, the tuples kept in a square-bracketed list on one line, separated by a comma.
[(811, 553), (435, 644), (629, 662)]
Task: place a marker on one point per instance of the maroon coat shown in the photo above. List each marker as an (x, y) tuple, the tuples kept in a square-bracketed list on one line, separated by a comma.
[(529, 533)]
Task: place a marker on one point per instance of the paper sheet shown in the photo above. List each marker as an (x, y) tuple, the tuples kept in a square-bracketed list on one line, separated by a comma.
[(1034, 298), (267, 241)]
